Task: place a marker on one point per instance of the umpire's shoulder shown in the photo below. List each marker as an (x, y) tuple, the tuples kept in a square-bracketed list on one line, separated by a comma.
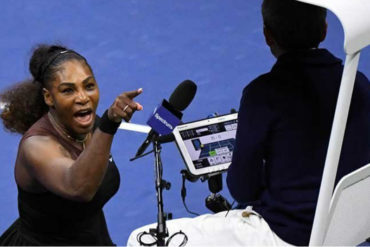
[(258, 85)]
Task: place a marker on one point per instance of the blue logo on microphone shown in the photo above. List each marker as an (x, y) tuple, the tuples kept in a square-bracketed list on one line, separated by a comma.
[(163, 121)]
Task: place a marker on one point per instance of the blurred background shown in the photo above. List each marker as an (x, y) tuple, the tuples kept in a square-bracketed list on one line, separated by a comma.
[(154, 45)]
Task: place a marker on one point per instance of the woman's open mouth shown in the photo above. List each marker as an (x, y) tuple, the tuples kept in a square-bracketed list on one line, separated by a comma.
[(84, 117)]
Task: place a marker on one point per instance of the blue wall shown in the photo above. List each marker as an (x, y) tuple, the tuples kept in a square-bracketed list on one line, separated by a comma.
[(150, 44)]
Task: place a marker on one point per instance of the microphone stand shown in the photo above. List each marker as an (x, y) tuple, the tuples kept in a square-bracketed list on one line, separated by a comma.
[(161, 232)]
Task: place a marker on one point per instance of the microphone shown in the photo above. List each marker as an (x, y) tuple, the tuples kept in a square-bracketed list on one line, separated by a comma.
[(168, 115)]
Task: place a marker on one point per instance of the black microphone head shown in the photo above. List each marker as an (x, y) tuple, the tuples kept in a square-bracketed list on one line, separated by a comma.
[(183, 95)]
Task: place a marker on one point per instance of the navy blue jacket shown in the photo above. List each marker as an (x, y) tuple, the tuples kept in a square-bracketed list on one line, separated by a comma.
[(284, 124)]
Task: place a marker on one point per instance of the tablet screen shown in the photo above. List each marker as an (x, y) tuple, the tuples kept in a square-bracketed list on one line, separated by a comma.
[(207, 145)]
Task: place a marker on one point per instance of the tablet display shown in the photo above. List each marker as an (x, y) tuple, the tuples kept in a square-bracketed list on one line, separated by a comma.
[(207, 145)]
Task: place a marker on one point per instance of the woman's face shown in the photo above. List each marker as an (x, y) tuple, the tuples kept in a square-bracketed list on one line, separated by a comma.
[(73, 97)]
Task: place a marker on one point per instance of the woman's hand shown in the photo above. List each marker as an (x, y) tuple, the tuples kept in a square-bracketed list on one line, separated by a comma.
[(124, 106)]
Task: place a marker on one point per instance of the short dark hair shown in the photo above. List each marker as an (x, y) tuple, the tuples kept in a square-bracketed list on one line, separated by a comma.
[(294, 25)]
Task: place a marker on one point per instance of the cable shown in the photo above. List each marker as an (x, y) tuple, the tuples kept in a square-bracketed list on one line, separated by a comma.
[(183, 195), (190, 212), (141, 234), (184, 241), (152, 234), (231, 207)]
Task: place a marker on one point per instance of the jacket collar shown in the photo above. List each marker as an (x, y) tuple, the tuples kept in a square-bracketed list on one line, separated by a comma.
[(314, 57)]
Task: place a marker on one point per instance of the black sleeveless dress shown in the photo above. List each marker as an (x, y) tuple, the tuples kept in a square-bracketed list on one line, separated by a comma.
[(48, 219)]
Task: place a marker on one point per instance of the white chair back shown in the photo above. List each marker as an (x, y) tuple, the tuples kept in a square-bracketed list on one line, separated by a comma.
[(349, 213)]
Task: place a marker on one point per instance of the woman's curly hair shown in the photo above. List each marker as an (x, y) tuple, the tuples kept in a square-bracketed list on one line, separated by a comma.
[(24, 105)]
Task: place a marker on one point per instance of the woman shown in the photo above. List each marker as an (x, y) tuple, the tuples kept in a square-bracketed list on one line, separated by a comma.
[(64, 171)]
